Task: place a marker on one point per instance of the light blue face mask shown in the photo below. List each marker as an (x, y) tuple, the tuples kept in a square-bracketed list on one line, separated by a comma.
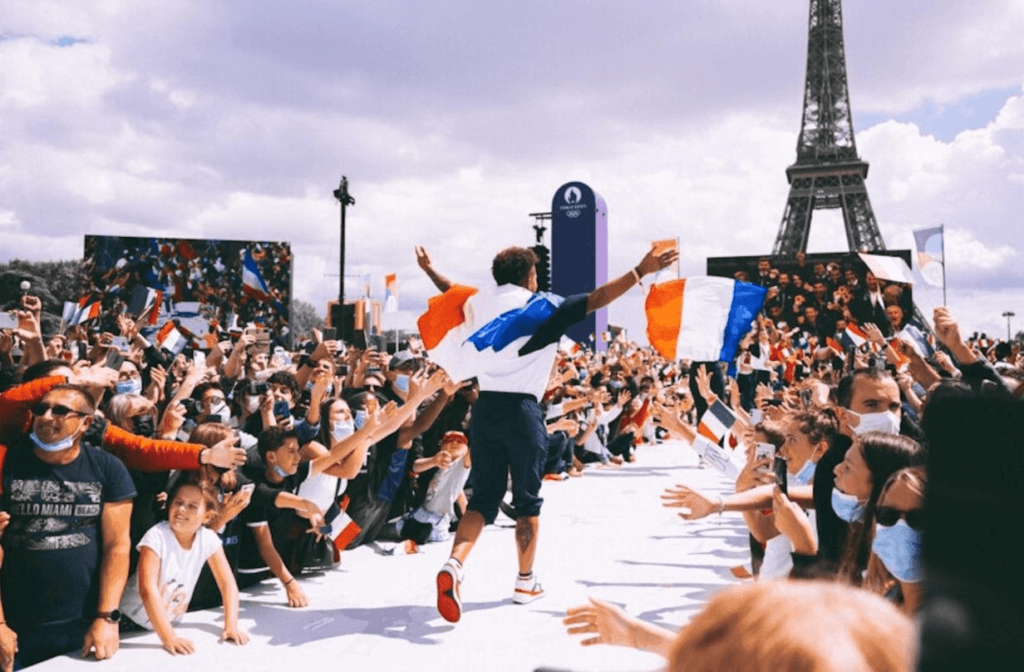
[(402, 383), (805, 475), (899, 548), (847, 507), (359, 419), (281, 472), (63, 444), (130, 386), (342, 429), (327, 390)]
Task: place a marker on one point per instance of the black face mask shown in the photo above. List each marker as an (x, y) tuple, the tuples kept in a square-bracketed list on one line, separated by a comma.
[(144, 425)]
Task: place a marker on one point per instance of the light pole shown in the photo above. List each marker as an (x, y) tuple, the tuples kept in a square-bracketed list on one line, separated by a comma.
[(1008, 314), (341, 193)]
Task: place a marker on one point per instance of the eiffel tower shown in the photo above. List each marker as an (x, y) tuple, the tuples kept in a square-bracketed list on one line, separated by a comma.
[(828, 173)]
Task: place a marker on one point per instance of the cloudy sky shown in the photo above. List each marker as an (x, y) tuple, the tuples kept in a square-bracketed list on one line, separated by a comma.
[(455, 120)]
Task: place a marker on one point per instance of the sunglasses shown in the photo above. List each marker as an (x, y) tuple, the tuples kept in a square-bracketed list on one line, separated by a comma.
[(888, 516), (40, 409)]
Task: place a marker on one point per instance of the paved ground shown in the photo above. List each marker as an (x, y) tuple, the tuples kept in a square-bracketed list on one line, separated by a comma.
[(605, 535)]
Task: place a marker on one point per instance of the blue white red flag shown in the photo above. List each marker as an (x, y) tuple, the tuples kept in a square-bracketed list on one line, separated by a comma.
[(252, 280), (701, 318)]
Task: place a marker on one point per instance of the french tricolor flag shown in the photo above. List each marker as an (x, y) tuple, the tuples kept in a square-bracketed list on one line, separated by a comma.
[(856, 335), (252, 280), (716, 421), (445, 326), (701, 318)]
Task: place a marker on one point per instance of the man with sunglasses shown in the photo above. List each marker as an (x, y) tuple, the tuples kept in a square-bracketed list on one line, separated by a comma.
[(66, 547)]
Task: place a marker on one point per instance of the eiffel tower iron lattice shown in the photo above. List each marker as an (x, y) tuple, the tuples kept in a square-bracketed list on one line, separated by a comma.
[(828, 173)]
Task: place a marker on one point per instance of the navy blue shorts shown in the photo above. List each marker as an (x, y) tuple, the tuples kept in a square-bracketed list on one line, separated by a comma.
[(507, 435)]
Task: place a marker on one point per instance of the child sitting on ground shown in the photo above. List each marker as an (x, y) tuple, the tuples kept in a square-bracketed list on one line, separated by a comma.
[(171, 555), (431, 520)]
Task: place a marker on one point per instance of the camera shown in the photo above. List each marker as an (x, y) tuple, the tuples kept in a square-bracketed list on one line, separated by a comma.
[(192, 406)]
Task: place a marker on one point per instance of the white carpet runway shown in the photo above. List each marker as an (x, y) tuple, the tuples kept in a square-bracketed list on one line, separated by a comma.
[(605, 534)]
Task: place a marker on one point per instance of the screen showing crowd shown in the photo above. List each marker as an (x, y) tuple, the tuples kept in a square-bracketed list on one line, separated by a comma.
[(233, 280)]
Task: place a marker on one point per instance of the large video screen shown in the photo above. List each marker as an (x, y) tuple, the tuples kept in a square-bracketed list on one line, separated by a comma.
[(838, 287), (199, 281)]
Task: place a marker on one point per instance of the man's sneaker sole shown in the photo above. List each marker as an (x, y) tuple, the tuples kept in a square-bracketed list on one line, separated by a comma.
[(449, 605)]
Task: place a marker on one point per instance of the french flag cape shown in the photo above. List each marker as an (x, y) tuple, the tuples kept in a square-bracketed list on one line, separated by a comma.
[(701, 318), (253, 283), (504, 336)]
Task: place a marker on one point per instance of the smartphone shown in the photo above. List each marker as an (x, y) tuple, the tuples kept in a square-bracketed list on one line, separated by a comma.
[(114, 360), (774, 402), (248, 487), (330, 334), (281, 409), (764, 450), (781, 474), (805, 397), (756, 416), (325, 530), (121, 343), (199, 359)]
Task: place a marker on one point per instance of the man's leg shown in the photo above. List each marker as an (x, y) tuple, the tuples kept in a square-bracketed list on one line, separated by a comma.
[(526, 462), (470, 526), (489, 478), (527, 529)]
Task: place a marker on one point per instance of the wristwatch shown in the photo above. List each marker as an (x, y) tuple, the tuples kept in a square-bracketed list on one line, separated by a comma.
[(110, 616)]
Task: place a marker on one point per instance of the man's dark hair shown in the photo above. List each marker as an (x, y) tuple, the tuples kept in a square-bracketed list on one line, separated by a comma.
[(83, 392), (204, 387), (273, 438), (844, 391), (43, 369), (512, 266), (285, 378)]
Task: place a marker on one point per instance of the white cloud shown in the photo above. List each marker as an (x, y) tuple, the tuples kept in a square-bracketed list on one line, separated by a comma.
[(453, 124)]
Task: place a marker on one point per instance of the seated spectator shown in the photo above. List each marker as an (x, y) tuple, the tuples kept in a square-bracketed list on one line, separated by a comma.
[(448, 473), (78, 550), (234, 492), (171, 556)]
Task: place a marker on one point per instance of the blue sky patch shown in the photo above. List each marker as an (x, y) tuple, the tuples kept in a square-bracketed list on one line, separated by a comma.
[(945, 121)]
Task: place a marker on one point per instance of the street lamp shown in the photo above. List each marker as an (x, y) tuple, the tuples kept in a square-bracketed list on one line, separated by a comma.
[(1008, 314), (341, 193)]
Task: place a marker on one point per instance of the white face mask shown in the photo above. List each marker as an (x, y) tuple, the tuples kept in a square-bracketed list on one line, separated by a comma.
[(342, 429), (252, 404), (886, 422), (220, 408)]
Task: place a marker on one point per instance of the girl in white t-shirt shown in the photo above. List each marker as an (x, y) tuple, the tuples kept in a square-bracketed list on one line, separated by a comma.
[(171, 556)]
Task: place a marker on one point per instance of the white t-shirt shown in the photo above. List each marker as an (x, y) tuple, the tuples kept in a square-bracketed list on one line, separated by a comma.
[(179, 572), (445, 487), (778, 559)]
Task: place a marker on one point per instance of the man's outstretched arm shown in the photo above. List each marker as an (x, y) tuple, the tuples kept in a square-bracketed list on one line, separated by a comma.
[(423, 259), (613, 289)]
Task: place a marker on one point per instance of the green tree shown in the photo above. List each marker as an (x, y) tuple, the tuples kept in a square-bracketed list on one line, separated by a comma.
[(304, 319)]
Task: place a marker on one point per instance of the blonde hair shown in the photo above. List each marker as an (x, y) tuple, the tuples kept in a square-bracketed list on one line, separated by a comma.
[(795, 626)]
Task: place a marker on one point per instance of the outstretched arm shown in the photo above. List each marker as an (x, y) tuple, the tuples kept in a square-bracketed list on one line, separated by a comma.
[(608, 292), (608, 624), (423, 259)]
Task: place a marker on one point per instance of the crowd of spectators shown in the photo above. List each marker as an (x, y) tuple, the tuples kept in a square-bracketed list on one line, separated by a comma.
[(141, 483), (208, 272)]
